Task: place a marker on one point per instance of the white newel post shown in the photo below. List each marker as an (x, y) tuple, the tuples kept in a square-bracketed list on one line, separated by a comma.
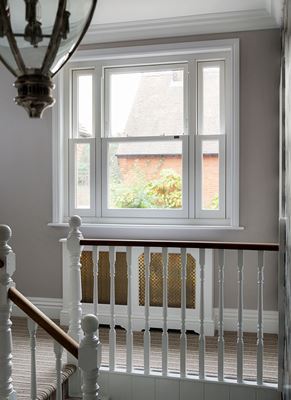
[(75, 296), (7, 268), (90, 357)]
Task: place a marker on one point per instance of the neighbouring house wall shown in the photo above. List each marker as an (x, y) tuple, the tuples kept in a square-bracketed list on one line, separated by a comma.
[(26, 179)]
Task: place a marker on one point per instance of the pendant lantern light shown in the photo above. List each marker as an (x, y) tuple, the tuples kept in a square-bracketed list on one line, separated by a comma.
[(37, 37)]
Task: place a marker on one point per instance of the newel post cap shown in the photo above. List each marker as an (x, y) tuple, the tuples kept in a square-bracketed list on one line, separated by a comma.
[(89, 324), (5, 249), (75, 222), (5, 233), (89, 350), (74, 235)]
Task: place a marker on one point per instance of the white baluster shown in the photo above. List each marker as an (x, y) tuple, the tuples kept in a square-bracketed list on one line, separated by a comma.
[(202, 334), (165, 339), (260, 333), (221, 315), (240, 341), (129, 335), (146, 336), (32, 328), (90, 358), (58, 350), (95, 254), (183, 337), (7, 269), (75, 310), (112, 332)]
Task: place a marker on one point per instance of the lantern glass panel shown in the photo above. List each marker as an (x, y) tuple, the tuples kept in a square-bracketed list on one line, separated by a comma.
[(33, 55)]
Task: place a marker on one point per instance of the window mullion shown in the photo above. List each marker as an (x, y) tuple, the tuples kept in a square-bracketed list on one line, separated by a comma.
[(98, 124), (192, 123)]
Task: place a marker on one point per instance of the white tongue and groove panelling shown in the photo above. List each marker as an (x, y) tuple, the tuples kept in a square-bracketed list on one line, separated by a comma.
[(120, 386)]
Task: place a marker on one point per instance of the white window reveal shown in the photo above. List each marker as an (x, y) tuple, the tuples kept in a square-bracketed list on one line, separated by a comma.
[(152, 139)]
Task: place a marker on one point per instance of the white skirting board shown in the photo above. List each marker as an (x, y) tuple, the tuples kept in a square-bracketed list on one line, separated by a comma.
[(49, 306), (53, 308), (250, 318)]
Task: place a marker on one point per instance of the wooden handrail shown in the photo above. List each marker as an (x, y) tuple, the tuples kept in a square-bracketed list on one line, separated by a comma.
[(42, 320), (181, 244)]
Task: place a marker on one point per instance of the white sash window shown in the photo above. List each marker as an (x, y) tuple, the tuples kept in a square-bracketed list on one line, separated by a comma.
[(150, 139)]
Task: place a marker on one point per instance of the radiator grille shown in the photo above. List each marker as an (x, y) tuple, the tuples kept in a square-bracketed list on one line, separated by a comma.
[(104, 278), (174, 280), (156, 279)]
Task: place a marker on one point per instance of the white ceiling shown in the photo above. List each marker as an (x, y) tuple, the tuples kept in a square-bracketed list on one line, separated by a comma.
[(140, 19)]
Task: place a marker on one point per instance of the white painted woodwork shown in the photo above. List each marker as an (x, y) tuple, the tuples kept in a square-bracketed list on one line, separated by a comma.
[(124, 386), (156, 313), (7, 268), (144, 386), (95, 254), (58, 350), (202, 333), (237, 392), (75, 294), (112, 331), (240, 341), (165, 337), (260, 333), (90, 357), (162, 18), (32, 328), (190, 391), (221, 315), (129, 334), (167, 389), (183, 336), (146, 336)]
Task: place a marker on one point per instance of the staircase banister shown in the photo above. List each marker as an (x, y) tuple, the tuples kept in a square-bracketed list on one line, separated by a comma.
[(181, 244), (42, 320)]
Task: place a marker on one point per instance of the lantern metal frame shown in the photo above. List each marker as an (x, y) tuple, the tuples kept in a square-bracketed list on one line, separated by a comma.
[(35, 85)]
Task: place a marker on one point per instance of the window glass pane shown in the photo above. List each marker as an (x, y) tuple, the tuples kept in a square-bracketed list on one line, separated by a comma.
[(148, 103), (210, 175), (85, 106), (210, 99), (82, 175), (145, 175)]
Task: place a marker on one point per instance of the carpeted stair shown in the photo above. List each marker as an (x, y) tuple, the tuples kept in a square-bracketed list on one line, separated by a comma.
[(45, 359)]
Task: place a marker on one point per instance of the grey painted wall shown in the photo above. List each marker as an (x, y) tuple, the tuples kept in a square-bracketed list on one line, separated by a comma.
[(26, 178)]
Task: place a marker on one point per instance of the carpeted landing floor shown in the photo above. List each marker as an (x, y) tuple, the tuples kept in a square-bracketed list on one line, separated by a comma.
[(46, 360)]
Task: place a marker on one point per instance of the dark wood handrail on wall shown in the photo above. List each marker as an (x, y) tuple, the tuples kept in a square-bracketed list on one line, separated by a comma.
[(42, 320), (182, 244)]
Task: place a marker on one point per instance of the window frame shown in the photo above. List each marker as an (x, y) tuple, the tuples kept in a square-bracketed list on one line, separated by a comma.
[(176, 53)]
